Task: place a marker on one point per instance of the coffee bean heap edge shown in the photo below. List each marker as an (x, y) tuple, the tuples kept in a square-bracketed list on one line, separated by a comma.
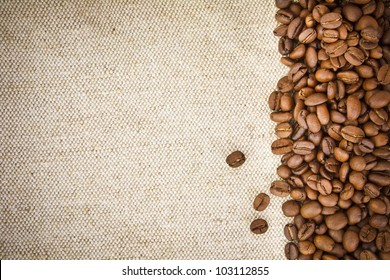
[(332, 115)]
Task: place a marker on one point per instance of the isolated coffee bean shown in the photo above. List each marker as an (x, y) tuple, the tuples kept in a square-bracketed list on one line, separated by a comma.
[(259, 226), (261, 202), (235, 159)]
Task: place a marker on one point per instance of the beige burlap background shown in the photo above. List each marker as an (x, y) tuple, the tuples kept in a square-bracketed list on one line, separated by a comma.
[(116, 119)]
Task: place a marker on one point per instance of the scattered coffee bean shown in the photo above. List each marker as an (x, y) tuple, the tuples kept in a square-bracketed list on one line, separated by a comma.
[(261, 202), (235, 159), (259, 226)]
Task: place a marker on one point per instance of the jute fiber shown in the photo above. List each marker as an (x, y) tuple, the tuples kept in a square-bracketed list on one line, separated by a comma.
[(116, 118)]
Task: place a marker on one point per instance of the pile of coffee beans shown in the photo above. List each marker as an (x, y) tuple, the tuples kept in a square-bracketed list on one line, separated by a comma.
[(332, 115)]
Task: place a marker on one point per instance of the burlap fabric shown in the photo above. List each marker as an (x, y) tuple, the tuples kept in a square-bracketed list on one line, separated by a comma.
[(116, 118)]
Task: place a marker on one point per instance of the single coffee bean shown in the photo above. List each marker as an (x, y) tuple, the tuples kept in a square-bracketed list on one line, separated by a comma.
[(324, 243), (291, 232), (330, 36), (351, 241), (379, 99), (383, 75), (377, 206), (306, 231), (357, 163), (324, 75), (348, 77), (337, 221), (331, 20), (352, 133), (285, 85), (290, 208), (324, 187), (367, 233), (291, 251), (352, 12), (378, 221), (282, 146), (306, 247), (383, 241), (307, 36), (353, 108), (303, 147), (367, 255), (354, 56), (295, 27), (337, 48), (311, 57), (285, 45), (315, 99), (280, 188), (310, 209), (261, 202), (283, 171), (284, 16), (329, 200), (259, 226), (354, 215), (283, 130), (282, 4), (235, 159)]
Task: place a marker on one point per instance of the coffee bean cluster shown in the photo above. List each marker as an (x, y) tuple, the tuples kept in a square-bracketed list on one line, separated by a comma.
[(332, 115)]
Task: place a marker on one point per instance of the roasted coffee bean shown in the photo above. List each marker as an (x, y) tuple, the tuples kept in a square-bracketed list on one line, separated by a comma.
[(324, 243), (353, 134), (235, 159), (382, 241), (336, 49), (306, 231), (383, 75), (303, 147), (306, 247), (367, 255), (291, 251), (282, 146), (259, 226), (290, 208), (310, 209), (331, 20), (261, 202), (350, 241), (367, 233), (337, 221), (291, 232), (280, 188), (295, 27)]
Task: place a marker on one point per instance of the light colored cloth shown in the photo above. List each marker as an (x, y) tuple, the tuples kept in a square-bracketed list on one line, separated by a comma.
[(116, 118)]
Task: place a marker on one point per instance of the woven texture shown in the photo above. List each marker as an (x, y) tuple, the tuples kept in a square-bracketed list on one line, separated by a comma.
[(116, 118)]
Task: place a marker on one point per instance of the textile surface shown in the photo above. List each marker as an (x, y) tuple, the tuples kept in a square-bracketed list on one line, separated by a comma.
[(116, 118)]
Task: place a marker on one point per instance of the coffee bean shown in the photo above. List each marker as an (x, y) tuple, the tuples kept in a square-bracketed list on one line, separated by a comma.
[(306, 231), (290, 208), (350, 241), (310, 209), (306, 247), (291, 232), (352, 133), (259, 226), (303, 147), (261, 202), (324, 243), (291, 251), (367, 233), (367, 255), (280, 188), (331, 20), (382, 241), (282, 146), (235, 159), (336, 221)]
